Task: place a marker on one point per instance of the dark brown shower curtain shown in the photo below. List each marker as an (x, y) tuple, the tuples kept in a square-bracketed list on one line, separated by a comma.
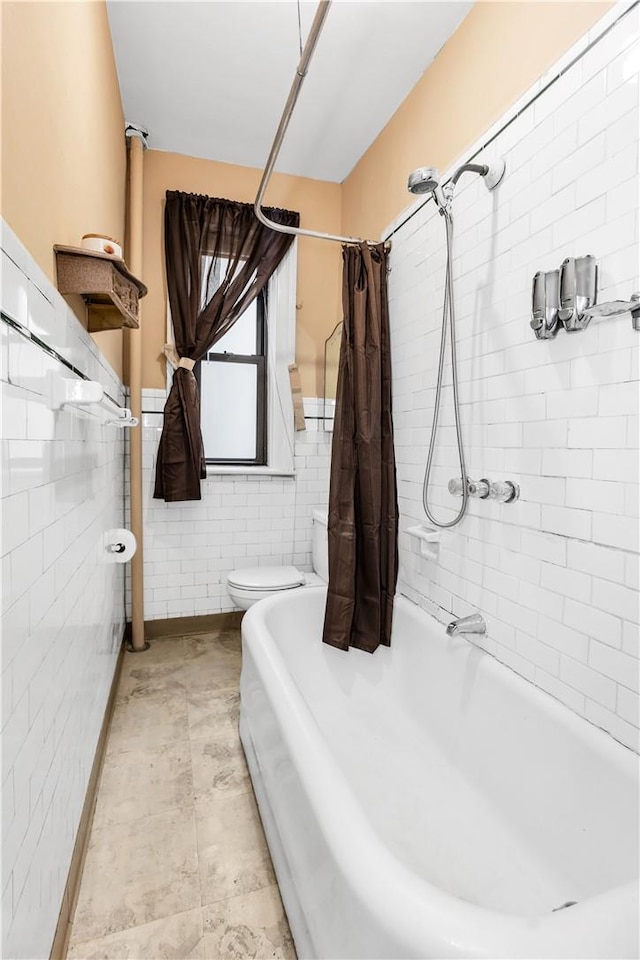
[(363, 506), (198, 227)]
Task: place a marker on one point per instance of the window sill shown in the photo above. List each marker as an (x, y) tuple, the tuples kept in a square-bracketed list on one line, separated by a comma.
[(215, 470)]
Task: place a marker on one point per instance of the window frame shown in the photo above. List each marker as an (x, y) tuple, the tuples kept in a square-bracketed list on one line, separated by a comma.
[(260, 361)]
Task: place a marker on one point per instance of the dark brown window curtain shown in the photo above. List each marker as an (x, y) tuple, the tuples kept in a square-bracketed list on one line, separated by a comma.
[(363, 504), (195, 228)]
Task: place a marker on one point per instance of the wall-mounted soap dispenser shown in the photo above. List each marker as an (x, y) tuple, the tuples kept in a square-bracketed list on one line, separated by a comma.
[(567, 297), (578, 290), (545, 297)]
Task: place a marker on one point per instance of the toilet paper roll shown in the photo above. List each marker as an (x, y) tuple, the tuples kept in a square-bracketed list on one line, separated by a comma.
[(102, 244), (119, 545)]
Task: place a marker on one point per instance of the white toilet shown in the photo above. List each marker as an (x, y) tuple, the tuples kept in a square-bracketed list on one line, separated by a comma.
[(247, 586)]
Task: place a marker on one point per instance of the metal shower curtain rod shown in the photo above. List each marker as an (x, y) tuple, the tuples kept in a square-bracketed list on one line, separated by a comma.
[(301, 72)]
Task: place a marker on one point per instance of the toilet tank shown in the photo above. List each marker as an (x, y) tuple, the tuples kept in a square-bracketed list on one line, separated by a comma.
[(320, 544)]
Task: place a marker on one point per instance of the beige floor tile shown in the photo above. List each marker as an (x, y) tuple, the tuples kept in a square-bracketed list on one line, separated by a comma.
[(151, 862), (250, 926), (225, 641), (219, 769), (137, 872), (164, 650), (232, 852), (213, 714), (148, 722), (153, 680), (142, 783), (214, 669), (179, 937), (232, 640)]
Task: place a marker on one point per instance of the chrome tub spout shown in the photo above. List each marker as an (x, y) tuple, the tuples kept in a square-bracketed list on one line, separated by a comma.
[(473, 624)]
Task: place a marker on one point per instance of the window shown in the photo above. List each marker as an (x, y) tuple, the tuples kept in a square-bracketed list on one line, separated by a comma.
[(261, 344), (233, 383)]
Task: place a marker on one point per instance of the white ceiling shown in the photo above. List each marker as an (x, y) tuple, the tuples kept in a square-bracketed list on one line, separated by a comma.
[(210, 79)]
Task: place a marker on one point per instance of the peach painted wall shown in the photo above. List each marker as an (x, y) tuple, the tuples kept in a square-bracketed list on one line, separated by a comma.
[(319, 262), (64, 158), (63, 146), (498, 51)]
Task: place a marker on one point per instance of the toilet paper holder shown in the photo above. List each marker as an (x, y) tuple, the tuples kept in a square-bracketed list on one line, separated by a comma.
[(115, 548), (119, 545)]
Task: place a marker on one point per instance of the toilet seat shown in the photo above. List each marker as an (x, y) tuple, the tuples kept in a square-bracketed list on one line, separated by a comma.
[(248, 586), (269, 579)]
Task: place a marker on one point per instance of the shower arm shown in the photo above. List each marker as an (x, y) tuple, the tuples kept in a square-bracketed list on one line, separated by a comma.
[(448, 189), (481, 168), (301, 72)]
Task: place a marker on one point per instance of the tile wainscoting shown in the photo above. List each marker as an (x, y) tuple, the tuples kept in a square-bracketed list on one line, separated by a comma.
[(241, 521), (63, 610)]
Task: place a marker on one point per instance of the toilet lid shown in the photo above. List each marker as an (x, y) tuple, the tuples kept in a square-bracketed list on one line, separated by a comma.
[(266, 578)]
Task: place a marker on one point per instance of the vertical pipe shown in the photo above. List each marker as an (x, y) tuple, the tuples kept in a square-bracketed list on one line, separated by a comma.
[(134, 345)]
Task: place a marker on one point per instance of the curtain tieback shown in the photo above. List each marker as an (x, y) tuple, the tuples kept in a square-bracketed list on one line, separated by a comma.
[(175, 359)]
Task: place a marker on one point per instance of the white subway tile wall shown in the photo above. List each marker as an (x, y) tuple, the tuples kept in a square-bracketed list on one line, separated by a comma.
[(62, 606), (241, 521), (556, 573)]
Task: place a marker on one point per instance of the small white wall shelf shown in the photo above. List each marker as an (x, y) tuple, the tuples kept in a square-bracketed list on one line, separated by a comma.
[(428, 539)]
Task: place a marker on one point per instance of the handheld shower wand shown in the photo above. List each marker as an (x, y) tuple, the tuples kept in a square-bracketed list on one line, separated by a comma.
[(427, 180)]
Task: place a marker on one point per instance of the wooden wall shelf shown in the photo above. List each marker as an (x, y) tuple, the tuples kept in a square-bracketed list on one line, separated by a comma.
[(108, 288)]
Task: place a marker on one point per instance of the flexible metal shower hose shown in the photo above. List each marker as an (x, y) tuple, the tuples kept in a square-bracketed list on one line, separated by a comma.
[(448, 311)]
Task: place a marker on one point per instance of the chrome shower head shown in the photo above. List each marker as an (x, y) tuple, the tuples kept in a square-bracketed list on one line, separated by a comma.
[(423, 180), (427, 180)]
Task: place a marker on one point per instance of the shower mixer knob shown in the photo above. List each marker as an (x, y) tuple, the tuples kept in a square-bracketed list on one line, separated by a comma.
[(478, 488), (504, 491), (475, 488)]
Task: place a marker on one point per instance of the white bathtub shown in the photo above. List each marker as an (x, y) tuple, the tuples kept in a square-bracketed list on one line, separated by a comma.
[(427, 802)]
